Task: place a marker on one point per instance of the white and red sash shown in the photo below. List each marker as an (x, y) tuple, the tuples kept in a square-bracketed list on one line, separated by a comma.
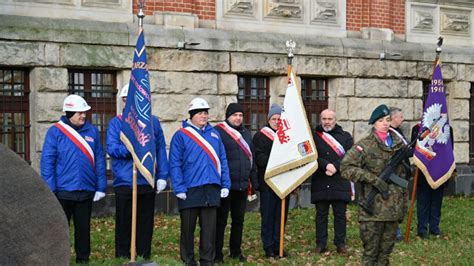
[(206, 146), (78, 140), (333, 143), (268, 132), (237, 137), (399, 135)]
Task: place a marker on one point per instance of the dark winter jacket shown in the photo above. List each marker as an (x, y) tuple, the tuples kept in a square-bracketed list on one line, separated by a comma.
[(241, 169), (262, 146), (334, 187)]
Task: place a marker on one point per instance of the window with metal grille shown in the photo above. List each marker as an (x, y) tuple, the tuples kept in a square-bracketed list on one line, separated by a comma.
[(15, 111), (314, 92), (98, 88), (254, 98)]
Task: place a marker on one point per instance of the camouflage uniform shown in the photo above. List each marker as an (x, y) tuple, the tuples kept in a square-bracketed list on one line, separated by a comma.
[(363, 163)]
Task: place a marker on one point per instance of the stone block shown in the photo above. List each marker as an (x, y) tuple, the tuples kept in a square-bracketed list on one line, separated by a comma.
[(49, 106), (51, 54), (417, 109), (461, 152), (40, 133), (424, 70), (341, 87), (92, 32), (361, 130), (459, 89), (469, 72), (378, 34), (341, 108), (188, 60), (183, 83), (178, 19), (458, 109), (415, 89), (49, 79), (346, 125), (460, 130), (379, 68), (381, 88), (21, 53), (322, 66), (169, 128), (90, 56), (361, 108), (461, 72), (227, 84), (278, 86), (259, 63)]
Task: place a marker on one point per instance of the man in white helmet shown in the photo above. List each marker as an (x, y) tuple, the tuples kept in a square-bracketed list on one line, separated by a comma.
[(122, 164), (73, 166), (200, 177)]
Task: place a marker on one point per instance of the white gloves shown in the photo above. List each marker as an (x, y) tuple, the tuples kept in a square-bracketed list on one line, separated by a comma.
[(98, 196), (224, 193), (181, 196), (160, 185)]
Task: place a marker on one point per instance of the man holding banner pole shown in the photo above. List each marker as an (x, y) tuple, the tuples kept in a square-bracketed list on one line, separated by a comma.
[(122, 163)]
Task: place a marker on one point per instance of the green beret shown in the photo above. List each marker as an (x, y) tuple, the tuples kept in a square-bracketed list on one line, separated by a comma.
[(379, 112)]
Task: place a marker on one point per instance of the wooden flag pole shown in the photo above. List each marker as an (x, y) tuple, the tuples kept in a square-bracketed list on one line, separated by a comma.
[(412, 204), (134, 216), (282, 227)]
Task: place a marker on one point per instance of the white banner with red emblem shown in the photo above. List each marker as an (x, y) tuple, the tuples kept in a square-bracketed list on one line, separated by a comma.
[(293, 157)]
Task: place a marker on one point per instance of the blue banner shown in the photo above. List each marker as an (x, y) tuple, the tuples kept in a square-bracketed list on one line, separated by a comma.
[(137, 126), (434, 153)]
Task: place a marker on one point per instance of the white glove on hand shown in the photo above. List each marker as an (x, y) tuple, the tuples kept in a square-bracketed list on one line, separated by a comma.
[(224, 193), (181, 196), (98, 196), (160, 185)]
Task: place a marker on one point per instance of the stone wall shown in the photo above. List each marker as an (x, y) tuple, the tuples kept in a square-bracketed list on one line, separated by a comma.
[(358, 78)]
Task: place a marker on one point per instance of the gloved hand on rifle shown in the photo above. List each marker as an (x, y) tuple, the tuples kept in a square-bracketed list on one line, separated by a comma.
[(381, 186)]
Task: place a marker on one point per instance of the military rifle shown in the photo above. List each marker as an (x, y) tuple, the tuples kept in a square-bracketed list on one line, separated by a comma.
[(388, 174)]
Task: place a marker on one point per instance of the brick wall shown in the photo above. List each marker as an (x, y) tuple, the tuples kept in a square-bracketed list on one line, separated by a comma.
[(377, 14), (204, 9)]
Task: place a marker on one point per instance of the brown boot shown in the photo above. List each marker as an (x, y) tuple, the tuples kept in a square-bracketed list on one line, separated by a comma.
[(320, 250), (342, 249)]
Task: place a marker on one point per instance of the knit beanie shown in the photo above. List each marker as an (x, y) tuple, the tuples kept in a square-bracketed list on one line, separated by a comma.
[(195, 111), (275, 109), (232, 109)]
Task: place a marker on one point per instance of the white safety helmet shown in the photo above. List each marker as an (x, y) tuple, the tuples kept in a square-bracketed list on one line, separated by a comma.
[(75, 103), (198, 103), (124, 91)]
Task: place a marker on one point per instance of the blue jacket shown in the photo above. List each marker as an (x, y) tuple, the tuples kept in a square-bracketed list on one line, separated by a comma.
[(122, 162), (190, 166), (65, 168)]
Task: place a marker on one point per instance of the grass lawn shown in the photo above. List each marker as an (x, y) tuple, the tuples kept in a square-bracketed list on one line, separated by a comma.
[(456, 247)]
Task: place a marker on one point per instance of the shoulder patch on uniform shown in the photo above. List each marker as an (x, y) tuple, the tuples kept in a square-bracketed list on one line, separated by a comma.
[(359, 148)]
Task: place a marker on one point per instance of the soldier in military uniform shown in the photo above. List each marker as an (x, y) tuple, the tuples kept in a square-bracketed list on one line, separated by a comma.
[(363, 163)]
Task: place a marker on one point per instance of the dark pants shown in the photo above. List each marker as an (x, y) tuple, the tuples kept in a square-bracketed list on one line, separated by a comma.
[(236, 203), (270, 211), (428, 207), (378, 240), (322, 213), (207, 238), (80, 212), (123, 224)]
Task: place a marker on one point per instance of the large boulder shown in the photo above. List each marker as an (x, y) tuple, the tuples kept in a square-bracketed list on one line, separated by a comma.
[(33, 227)]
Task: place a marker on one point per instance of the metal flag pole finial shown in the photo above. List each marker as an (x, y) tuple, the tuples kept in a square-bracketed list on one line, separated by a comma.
[(140, 14), (440, 43), (290, 48)]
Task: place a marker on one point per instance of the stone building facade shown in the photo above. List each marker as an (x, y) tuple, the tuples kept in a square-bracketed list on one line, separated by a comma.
[(367, 53)]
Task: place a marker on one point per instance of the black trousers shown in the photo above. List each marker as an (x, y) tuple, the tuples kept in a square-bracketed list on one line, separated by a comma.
[(270, 211), (236, 203), (207, 238), (123, 223), (80, 212), (428, 207), (322, 213)]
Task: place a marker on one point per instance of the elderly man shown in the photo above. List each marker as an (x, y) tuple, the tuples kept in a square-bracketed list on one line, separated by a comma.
[(73, 166), (200, 177), (328, 188)]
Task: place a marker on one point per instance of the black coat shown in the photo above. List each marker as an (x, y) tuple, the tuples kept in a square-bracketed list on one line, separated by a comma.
[(263, 146), (334, 187), (240, 167)]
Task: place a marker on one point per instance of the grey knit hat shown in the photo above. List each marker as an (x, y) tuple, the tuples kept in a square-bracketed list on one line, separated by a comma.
[(274, 110)]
